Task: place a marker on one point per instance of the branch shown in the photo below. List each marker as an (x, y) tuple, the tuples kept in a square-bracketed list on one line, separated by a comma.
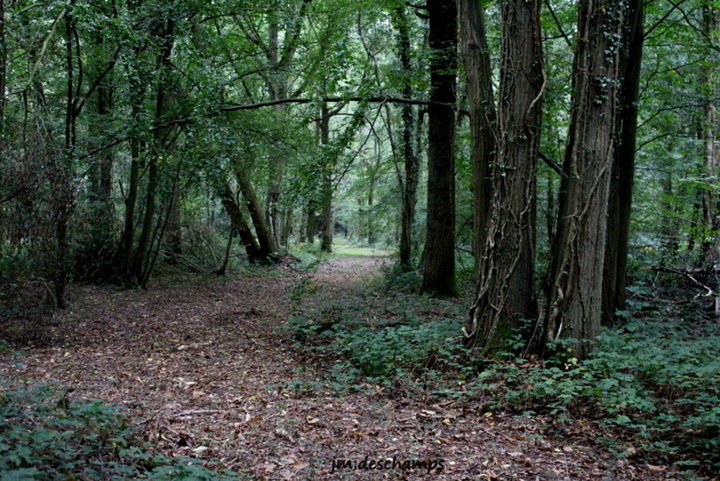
[(710, 41), (551, 163), (686, 273), (98, 80), (559, 25), (662, 19), (270, 103)]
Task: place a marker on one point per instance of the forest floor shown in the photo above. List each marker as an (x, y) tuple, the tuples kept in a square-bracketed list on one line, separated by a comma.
[(208, 370)]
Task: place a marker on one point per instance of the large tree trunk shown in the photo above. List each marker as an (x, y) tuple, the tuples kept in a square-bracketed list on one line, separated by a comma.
[(137, 97), (277, 87), (439, 257), (3, 67), (63, 195), (412, 168), (711, 140), (623, 173), (103, 212), (140, 261), (264, 234), (239, 224), (327, 224), (576, 272), (505, 291), (711, 134), (476, 57)]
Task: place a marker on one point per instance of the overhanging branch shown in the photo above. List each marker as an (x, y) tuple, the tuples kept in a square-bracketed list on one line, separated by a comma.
[(270, 103)]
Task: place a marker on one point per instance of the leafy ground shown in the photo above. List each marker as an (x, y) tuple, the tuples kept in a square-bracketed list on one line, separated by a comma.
[(209, 369)]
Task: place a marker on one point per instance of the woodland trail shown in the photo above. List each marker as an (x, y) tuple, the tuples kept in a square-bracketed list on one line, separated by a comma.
[(209, 372)]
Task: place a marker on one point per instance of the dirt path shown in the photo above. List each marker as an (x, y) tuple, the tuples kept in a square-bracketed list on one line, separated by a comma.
[(211, 373)]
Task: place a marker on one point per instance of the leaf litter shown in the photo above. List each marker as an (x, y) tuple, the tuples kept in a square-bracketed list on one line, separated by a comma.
[(203, 369)]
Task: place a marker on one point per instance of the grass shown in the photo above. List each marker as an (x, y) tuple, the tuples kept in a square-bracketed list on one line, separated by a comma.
[(344, 247)]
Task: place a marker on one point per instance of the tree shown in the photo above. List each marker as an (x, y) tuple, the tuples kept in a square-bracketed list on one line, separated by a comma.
[(439, 256), (409, 184), (505, 291), (711, 138), (3, 66), (623, 168), (476, 59), (141, 260), (574, 296)]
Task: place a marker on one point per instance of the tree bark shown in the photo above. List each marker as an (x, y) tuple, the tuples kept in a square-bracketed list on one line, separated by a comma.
[(265, 237), (311, 224), (63, 195), (476, 57), (411, 165), (711, 140), (101, 174), (505, 292), (279, 55), (623, 171), (327, 225), (161, 105), (136, 97), (239, 224), (173, 243), (3, 68), (439, 257), (576, 272)]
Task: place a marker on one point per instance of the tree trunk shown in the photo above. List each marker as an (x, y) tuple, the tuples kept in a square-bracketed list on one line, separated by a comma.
[(476, 57), (239, 224), (173, 244), (287, 227), (103, 212), (505, 292), (279, 55), (277, 88), (264, 235), (370, 212), (137, 97), (3, 68), (161, 105), (576, 272), (711, 140), (670, 228), (106, 158), (439, 265), (412, 169), (311, 225), (328, 222), (623, 173), (63, 196)]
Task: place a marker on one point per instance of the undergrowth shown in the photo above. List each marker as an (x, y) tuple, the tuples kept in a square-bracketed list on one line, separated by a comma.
[(653, 383), (46, 436)]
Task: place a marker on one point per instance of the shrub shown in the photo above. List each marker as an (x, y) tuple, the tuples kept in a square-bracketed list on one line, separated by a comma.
[(46, 436)]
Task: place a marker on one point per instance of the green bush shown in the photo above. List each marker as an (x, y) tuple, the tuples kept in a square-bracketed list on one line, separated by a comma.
[(45, 436), (654, 382)]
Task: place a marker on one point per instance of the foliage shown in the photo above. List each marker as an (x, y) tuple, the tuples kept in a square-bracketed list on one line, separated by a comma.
[(660, 391), (653, 381), (381, 340), (46, 436)]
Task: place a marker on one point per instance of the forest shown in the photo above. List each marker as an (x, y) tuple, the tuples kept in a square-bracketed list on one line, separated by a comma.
[(355, 239)]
